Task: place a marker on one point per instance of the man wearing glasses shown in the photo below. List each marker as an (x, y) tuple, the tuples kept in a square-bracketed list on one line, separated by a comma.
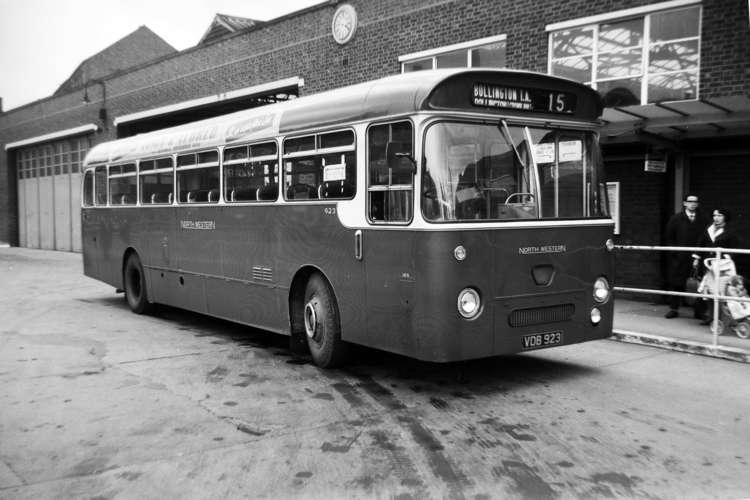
[(684, 229)]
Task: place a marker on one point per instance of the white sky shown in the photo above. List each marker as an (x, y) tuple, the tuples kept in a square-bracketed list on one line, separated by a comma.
[(43, 41)]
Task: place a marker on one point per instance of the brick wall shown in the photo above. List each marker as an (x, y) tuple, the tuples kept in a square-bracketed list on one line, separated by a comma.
[(644, 209), (301, 45)]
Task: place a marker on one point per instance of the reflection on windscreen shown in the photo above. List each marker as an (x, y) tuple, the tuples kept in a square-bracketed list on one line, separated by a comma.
[(485, 172)]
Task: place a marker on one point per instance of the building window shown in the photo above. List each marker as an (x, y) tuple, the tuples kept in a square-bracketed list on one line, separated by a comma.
[(638, 58), (55, 158), (484, 52)]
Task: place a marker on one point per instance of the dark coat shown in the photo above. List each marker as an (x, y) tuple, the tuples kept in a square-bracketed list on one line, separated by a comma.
[(728, 239), (681, 232)]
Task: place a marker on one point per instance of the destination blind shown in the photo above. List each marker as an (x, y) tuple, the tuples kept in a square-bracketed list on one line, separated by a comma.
[(491, 95)]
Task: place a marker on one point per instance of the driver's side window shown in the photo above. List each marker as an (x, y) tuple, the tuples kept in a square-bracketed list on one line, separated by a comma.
[(390, 184)]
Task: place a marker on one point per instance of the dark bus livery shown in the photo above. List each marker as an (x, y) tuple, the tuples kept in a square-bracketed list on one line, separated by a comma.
[(443, 215)]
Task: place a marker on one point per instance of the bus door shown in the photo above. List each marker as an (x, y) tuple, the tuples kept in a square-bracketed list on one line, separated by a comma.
[(388, 247)]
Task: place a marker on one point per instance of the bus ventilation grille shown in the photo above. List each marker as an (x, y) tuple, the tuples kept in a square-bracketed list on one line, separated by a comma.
[(539, 315), (262, 273)]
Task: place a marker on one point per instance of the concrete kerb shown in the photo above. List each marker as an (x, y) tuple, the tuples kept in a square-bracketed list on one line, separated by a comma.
[(688, 346)]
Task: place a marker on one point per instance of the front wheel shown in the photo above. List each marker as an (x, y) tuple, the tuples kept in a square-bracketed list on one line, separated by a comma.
[(135, 285), (742, 330), (322, 326)]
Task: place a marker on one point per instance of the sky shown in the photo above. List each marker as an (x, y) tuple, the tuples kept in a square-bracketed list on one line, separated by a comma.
[(43, 41)]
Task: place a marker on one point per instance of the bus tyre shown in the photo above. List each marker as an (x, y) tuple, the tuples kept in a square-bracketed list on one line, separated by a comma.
[(322, 327), (135, 285)]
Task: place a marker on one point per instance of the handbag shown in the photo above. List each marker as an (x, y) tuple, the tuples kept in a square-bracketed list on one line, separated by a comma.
[(691, 286)]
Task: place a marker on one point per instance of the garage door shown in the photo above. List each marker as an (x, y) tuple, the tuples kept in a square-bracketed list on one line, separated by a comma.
[(49, 179)]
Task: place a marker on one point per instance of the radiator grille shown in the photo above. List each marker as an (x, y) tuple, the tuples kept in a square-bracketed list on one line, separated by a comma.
[(539, 315)]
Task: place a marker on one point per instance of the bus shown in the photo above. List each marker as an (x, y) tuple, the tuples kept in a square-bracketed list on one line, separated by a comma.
[(443, 215)]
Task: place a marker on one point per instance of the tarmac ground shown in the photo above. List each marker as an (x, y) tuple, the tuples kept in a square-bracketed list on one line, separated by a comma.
[(98, 402)]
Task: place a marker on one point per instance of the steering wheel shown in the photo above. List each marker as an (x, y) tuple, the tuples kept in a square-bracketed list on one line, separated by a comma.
[(519, 195)]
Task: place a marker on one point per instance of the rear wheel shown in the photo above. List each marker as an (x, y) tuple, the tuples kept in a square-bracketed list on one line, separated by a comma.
[(135, 285), (322, 326)]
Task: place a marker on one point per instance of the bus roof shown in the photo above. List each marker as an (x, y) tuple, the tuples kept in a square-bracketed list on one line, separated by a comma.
[(507, 92)]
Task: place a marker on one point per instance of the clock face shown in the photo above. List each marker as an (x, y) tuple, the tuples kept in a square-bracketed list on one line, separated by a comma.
[(344, 23)]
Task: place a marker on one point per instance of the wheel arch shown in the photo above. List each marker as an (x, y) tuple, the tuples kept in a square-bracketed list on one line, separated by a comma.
[(296, 297)]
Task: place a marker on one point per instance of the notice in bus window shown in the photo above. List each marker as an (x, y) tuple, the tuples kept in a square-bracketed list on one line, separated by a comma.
[(571, 151), (544, 153), (334, 172)]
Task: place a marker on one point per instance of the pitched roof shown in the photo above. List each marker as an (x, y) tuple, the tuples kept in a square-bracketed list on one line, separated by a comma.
[(223, 25), (140, 46)]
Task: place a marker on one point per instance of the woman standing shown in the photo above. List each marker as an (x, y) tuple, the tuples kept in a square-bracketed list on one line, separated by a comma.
[(718, 234)]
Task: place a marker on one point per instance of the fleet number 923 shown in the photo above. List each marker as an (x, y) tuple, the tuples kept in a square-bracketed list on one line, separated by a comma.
[(538, 340)]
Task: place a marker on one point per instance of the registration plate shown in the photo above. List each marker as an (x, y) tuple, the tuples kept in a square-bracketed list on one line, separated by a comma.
[(538, 340)]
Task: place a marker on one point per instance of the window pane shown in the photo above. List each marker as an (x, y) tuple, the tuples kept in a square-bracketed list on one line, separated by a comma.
[(146, 165), (235, 153), (455, 59), (489, 56), (673, 87), (673, 56), (156, 188), (199, 185), (208, 157), (418, 65), (100, 186), (619, 64), (265, 149), (616, 36), (185, 160), (122, 190), (336, 139), (88, 189), (575, 68), (164, 163), (675, 24), (251, 181), (299, 144), (622, 92), (578, 41)]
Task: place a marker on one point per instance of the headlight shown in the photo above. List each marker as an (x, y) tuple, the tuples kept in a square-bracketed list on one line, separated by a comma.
[(610, 244), (601, 290), (469, 303)]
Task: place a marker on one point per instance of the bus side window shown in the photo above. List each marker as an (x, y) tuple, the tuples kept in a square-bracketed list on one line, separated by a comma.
[(88, 188), (100, 186), (198, 176), (251, 173), (390, 190), (322, 166)]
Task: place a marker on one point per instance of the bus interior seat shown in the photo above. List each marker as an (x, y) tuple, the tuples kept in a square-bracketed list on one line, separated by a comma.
[(244, 194), (213, 196), (301, 192), (161, 198), (267, 192), (335, 189)]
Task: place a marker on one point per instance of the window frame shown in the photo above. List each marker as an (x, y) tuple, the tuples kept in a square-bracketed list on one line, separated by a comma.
[(469, 46), (252, 159), (369, 187), (121, 175), (646, 45), (317, 151), (156, 171), (198, 165)]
